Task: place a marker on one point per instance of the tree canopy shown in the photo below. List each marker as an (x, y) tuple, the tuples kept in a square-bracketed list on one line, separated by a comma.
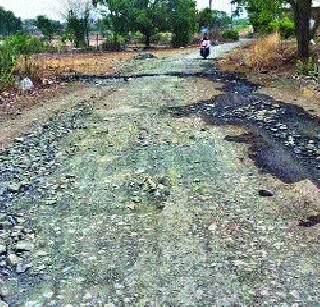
[(47, 26), (78, 23), (213, 19), (261, 12), (151, 16), (9, 23)]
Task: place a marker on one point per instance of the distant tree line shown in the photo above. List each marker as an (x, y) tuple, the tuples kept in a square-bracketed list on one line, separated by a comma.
[(150, 17), (48, 27), (213, 19)]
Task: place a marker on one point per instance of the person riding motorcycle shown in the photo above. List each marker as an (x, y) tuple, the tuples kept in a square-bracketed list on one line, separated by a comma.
[(205, 46)]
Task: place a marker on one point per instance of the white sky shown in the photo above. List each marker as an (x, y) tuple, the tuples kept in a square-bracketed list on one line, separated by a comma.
[(27, 9)]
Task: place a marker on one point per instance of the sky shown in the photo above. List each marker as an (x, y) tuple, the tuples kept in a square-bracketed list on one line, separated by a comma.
[(27, 9)]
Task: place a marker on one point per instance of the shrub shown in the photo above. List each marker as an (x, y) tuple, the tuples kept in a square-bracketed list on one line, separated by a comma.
[(14, 48), (231, 34), (264, 54), (163, 38), (137, 37), (285, 26)]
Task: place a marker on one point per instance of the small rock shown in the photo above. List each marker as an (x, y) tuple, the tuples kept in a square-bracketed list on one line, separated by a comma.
[(25, 85), (21, 268), (4, 292), (48, 294), (12, 259), (131, 206), (33, 304), (14, 188), (50, 202), (3, 249), (136, 199), (212, 227), (264, 192), (3, 304), (24, 245), (41, 253)]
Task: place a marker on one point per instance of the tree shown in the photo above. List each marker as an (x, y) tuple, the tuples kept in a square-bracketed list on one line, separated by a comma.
[(302, 11), (220, 20), (9, 23), (13, 48), (47, 26), (78, 21), (149, 17), (146, 16), (262, 12), (213, 19), (182, 21), (152, 16), (205, 18), (117, 15)]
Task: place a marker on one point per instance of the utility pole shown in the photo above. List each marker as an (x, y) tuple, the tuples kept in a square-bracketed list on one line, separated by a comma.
[(210, 4), (231, 15)]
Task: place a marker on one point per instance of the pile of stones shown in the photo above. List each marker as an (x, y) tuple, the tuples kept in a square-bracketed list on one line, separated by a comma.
[(150, 190), (16, 244), (144, 56)]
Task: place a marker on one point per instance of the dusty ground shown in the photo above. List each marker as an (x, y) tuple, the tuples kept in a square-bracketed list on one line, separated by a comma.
[(49, 66), (122, 202)]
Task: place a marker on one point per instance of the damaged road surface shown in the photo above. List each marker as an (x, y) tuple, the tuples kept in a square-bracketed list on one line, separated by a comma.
[(178, 186)]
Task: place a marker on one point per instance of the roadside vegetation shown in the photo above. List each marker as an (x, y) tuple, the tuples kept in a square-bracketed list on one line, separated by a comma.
[(264, 54), (289, 17), (16, 52), (171, 23), (287, 67), (279, 44)]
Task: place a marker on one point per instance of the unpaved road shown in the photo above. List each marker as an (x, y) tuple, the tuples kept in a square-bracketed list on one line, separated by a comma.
[(133, 196)]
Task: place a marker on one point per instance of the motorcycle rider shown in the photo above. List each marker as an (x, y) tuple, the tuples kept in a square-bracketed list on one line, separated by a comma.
[(205, 46)]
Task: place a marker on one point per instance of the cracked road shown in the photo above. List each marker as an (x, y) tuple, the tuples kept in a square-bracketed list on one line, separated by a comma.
[(117, 201)]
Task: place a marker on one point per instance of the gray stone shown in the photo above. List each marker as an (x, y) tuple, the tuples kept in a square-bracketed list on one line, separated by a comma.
[(264, 192), (24, 245), (21, 268), (12, 259), (25, 85), (3, 248), (14, 188)]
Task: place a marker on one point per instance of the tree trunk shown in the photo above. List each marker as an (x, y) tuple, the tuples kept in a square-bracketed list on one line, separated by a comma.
[(88, 36), (302, 16), (147, 40)]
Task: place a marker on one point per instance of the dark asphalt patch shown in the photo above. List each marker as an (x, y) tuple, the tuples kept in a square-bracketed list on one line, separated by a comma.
[(284, 138)]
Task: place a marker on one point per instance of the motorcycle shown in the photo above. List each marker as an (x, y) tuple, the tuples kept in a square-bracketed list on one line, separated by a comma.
[(204, 52)]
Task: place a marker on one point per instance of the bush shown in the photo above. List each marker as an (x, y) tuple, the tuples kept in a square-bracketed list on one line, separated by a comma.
[(285, 26), (162, 38), (14, 48), (231, 34), (137, 37)]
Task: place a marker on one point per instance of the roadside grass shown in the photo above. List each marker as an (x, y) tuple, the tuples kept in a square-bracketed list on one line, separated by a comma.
[(264, 54), (54, 65), (271, 63)]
